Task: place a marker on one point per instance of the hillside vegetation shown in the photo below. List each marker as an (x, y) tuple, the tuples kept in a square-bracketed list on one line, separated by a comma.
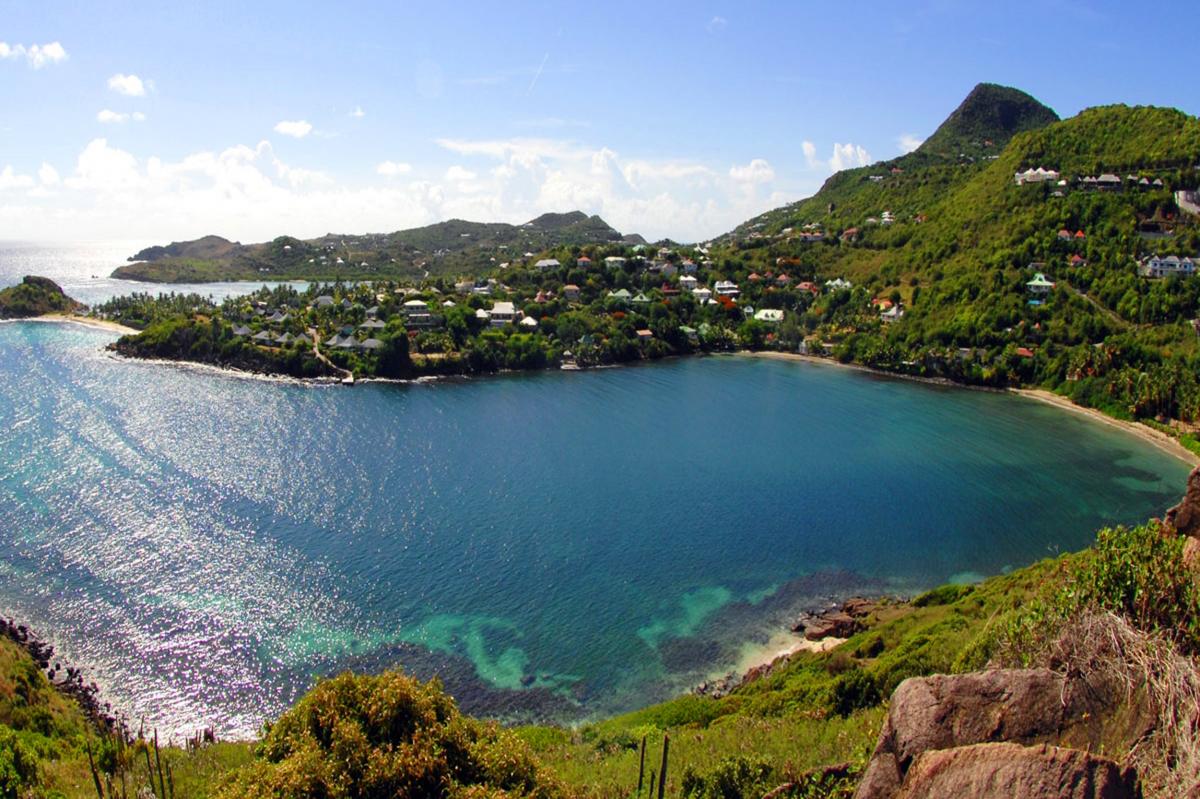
[(35, 296)]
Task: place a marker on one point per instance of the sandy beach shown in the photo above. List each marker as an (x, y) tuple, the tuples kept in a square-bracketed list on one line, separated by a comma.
[(86, 321)]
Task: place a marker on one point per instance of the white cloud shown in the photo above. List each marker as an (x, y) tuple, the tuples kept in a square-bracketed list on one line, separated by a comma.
[(458, 174), (909, 142), (810, 154), (358, 113), (36, 55), (757, 171), (848, 156), (247, 192), (11, 180), (717, 24), (128, 85), (110, 117), (48, 175), (297, 129), (392, 169)]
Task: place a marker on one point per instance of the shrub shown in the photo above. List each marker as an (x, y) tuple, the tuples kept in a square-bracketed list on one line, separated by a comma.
[(389, 735)]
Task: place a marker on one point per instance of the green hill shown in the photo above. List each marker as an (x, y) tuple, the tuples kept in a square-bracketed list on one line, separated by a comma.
[(986, 121), (35, 296), (446, 248)]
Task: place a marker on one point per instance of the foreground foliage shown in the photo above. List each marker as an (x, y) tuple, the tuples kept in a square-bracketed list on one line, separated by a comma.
[(387, 736)]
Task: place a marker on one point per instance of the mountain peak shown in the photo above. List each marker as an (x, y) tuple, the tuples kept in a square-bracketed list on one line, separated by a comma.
[(987, 119)]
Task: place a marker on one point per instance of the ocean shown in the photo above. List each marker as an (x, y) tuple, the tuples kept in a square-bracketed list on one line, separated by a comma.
[(554, 546)]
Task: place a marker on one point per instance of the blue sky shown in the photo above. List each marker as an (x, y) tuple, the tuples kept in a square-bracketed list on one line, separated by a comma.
[(151, 121)]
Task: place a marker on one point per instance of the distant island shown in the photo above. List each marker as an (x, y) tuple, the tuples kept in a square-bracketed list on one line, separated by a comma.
[(441, 249)]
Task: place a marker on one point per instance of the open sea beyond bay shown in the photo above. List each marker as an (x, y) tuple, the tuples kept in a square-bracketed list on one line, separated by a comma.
[(554, 545)]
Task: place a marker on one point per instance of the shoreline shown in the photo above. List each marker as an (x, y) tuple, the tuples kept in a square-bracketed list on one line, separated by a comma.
[(1157, 438), (77, 319)]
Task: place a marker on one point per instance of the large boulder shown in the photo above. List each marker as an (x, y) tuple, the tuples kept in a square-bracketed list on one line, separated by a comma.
[(982, 771), (1185, 517), (1025, 706)]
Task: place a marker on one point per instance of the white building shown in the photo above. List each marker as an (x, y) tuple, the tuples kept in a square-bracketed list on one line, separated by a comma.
[(1156, 266)]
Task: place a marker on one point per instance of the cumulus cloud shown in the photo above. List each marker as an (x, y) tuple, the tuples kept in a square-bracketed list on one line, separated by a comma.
[(358, 113), (128, 85), (848, 156), (757, 171), (810, 154), (458, 174), (48, 175), (392, 169), (250, 193), (9, 179), (908, 142), (297, 129), (36, 55), (110, 117), (717, 24)]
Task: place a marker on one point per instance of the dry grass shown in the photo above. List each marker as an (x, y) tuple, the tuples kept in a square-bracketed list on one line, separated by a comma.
[(1113, 657)]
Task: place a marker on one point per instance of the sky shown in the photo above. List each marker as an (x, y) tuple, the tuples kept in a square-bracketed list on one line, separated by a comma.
[(168, 121)]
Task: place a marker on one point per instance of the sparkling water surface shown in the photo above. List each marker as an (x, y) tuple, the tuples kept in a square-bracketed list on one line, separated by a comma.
[(555, 545)]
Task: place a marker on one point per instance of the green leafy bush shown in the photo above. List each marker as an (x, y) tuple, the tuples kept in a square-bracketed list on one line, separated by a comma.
[(389, 735)]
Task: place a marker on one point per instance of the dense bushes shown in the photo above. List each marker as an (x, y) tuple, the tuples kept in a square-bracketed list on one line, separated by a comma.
[(387, 736)]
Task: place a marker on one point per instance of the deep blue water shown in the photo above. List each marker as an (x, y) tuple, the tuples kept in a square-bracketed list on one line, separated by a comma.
[(559, 545)]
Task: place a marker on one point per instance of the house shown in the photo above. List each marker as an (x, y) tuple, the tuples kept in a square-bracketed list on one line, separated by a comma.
[(1064, 235), (782, 280), (583, 262), (886, 218), (702, 294), (849, 234), (302, 341), (372, 325), (482, 315), (284, 340), (1078, 260), (370, 344), (614, 262), (547, 263), (644, 335), (1024, 352), (621, 296), (464, 286), (809, 286), (1039, 285), (1038, 175), (241, 331), (448, 304), (689, 267), (503, 313), (528, 322), (692, 337), (640, 299), (892, 313), (726, 288), (264, 338), (838, 284), (324, 301), (571, 292), (1157, 266), (771, 316), (687, 282), (668, 269), (277, 317)]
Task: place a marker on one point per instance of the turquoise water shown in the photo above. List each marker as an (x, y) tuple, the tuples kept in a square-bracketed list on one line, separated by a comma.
[(557, 545)]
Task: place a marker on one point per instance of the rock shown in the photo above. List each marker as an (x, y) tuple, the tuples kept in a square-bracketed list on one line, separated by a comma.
[(1012, 770), (1191, 553), (1185, 517), (836, 624), (859, 607), (1027, 706)]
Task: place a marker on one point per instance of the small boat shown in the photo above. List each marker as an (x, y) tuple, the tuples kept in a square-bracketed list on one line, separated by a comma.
[(348, 381)]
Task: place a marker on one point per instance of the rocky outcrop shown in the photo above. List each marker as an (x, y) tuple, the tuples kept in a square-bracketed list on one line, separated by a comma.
[(1013, 770), (1185, 517), (942, 713), (837, 622)]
